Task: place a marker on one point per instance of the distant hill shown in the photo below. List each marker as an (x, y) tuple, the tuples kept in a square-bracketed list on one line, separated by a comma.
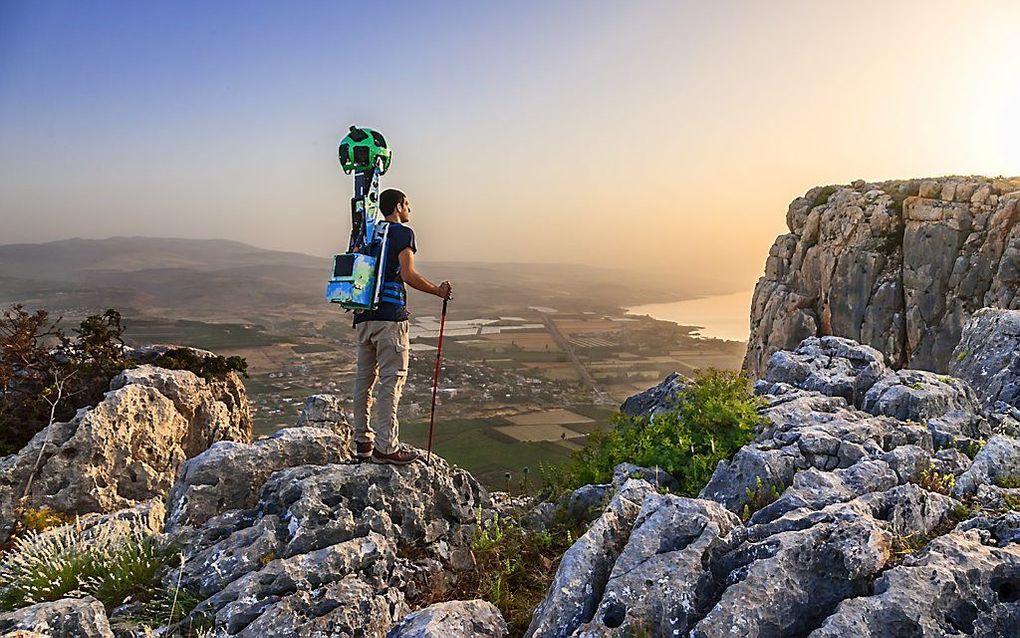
[(215, 279)]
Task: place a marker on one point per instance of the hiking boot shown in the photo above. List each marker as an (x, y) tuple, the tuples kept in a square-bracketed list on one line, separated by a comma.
[(402, 456), (363, 451)]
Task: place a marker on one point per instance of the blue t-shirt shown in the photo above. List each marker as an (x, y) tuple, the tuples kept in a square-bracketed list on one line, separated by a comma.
[(398, 238)]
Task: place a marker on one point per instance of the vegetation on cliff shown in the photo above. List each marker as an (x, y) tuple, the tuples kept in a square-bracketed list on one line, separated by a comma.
[(46, 375), (714, 417)]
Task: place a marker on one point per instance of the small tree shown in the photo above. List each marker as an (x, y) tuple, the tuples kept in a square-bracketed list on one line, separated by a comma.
[(45, 375)]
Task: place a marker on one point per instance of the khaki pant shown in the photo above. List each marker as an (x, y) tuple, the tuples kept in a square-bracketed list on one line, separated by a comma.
[(382, 355)]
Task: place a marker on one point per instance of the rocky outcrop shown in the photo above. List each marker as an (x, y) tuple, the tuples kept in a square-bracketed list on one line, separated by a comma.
[(324, 547), (229, 474), (899, 266), (127, 448), (988, 356), (68, 617), (455, 619), (656, 399), (828, 523), (964, 583)]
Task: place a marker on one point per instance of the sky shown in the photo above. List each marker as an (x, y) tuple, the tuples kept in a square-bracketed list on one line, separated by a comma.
[(661, 136)]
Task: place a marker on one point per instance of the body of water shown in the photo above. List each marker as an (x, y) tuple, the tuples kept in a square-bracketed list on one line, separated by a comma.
[(720, 316)]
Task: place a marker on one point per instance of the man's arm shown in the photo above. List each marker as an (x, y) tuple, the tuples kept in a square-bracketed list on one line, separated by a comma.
[(416, 280)]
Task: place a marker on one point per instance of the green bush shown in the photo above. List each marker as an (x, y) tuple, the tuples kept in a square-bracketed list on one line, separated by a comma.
[(716, 415)]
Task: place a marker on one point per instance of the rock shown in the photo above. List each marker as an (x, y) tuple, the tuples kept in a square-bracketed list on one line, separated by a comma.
[(790, 574), (216, 410), (657, 477), (325, 411), (808, 429), (454, 619), (916, 395), (229, 474), (349, 608), (899, 266), (658, 399), (585, 568), (67, 617), (124, 450), (659, 579), (245, 599), (318, 549), (998, 461), (988, 356), (958, 585), (833, 366)]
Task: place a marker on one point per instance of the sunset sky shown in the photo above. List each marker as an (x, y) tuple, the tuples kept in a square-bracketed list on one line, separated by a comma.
[(664, 135)]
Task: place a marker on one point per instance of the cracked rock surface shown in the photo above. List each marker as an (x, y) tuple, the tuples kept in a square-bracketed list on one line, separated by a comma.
[(899, 266), (829, 523)]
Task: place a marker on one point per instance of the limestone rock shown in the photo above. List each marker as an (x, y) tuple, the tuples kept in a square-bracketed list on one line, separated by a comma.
[(127, 448), (899, 266), (67, 617), (788, 575), (988, 356), (585, 568), (454, 619), (656, 399), (321, 542), (229, 474), (834, 366), (917, 395), (807, 429), (998, 460), (324, 411), (958, 585), (659, 580)]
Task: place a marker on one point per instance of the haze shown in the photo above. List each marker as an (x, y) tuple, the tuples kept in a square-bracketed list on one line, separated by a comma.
[(666, 136)]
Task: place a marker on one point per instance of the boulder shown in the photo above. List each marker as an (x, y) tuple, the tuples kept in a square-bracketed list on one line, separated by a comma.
[(958, 585), (997, 462), (833, 366), (454, 619), (659, 579), (788, 575), (897, 266), (808, 429), (657, 399), (67, 617), (324, 411), (917, 395), (229, 474), (322, 542), (124, 450), (988, 356), (585, 568)]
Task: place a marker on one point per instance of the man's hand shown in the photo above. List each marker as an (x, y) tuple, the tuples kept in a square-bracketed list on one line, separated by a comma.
[(445, 290)]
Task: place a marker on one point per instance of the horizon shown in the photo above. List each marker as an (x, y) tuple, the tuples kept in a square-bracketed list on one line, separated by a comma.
[(509, 124)]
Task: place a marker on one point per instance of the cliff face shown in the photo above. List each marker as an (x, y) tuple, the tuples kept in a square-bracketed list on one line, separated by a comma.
[(899, 266)]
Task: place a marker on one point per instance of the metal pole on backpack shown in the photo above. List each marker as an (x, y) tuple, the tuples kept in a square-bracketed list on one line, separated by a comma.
[(435, 381)]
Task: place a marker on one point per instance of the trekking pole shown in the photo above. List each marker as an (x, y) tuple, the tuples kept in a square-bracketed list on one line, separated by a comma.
[(435, 381)]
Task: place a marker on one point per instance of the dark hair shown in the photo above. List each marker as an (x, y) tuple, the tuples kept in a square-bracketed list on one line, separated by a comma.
[(389, 199)]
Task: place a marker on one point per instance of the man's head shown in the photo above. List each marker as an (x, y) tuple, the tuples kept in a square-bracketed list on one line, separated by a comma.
[(394, 205)]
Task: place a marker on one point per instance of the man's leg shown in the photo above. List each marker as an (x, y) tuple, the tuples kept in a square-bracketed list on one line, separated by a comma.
[(392, 352), (364, 381)]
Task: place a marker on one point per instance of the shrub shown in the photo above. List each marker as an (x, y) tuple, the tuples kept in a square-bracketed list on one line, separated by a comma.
[(113, 564), (514, 565), (46, 375), (716, 415)]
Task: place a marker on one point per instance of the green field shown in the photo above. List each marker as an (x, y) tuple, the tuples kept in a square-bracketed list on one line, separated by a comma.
[(472, 445)]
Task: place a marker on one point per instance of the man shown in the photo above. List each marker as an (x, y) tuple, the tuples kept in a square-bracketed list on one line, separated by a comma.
[(381, 335)]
